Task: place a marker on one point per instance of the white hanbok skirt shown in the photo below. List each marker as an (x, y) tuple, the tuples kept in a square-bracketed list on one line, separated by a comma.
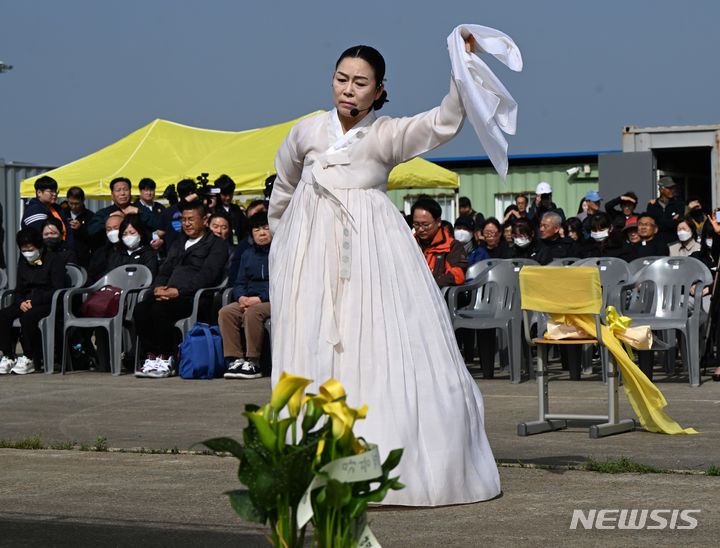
[(385, 334)]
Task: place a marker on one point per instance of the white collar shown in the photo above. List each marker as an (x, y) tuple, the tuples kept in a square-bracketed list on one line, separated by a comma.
[(340, 140)]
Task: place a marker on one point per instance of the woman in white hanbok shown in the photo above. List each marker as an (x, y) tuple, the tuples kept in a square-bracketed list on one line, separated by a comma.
[(353, 298)]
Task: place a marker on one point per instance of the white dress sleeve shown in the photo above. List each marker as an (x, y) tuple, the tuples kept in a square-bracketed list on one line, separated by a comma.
[(289, 170)]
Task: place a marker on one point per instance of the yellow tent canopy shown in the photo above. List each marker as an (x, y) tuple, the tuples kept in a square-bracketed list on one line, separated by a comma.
[(168, 152)]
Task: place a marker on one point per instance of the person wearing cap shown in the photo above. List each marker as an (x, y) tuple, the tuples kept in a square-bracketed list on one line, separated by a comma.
[(592, 203), (543, 204), (630, 230), (666, 209), (621, 209)]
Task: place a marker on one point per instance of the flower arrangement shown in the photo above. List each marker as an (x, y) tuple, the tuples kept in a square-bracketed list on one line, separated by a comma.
[(298, 468)]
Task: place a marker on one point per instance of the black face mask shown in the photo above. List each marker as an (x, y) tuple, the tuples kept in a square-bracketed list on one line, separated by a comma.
[(697, 214), (52, 243)]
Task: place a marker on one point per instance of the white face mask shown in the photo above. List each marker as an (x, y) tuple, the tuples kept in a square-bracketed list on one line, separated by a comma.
[(684, 235), (521, 241), (131, 242), (708, 242), (462, 236), (113, 236), (600, 235), (31, 256)]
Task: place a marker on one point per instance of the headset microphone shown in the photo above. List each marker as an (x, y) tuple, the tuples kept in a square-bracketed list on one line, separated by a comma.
[(354, 112)]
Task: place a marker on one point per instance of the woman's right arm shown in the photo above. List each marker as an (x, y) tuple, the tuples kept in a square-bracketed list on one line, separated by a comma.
[(289, 169)]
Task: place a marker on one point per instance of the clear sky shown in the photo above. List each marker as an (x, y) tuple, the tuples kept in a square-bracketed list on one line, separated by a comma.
[(86, 73)]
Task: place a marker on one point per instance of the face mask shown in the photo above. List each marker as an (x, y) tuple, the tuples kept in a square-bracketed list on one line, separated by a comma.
[(113, 236), (684, 235), (600, 235), (462, 236), (52, 243), (31, 256), (521, 241), (708, 242), (131, 242)]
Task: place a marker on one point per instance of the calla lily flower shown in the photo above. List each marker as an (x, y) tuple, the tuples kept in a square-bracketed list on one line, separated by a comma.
[(286, 387), (265, 432), (343, 418), (332, 390)]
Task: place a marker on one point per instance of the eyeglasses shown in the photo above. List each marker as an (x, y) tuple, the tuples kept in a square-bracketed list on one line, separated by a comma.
[(424, 226)]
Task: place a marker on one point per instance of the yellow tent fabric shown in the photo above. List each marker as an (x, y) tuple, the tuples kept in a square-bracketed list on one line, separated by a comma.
[(168, 152)]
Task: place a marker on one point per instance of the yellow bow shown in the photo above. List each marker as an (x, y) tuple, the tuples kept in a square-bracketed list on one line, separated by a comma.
[(618, 324)]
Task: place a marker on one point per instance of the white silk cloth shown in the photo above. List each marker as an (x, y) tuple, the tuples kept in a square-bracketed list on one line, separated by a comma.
[(353, 299), (489, 105)]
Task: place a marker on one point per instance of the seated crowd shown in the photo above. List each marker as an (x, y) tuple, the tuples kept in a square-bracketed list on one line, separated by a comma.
[(197, 242), (203, 239)]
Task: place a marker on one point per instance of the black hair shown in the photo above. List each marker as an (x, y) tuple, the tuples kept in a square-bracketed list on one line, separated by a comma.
[(575, 225), (429, 205), (647, 214), (185, 188), (170, 194), (522, 196), (198, 205), (57, 223), (376, 61), (466, 221), (258, 220), (29, 236), (631, 194), (600, 221), (493, 221), (134, 220), (46, 183), (464, 201), (691, 224), (225, 184), (76, 192), (269, 182), (523, 226), (146, 183), (256, 203), (120, 180)]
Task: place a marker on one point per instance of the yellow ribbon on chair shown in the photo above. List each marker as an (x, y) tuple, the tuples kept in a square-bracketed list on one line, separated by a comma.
[(618, 324), (571, 296)]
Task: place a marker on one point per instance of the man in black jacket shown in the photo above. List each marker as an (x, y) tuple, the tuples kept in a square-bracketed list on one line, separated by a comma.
[(196, 260), (649, 245), (551, 245), (79, 217), (666, 210)]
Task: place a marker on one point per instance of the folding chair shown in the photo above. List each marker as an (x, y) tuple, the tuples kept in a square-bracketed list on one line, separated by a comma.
[(560, 290), (131, 279)]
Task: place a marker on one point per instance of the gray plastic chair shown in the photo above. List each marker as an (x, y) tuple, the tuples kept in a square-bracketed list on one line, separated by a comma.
[(75, 276), (494, 304), (660, 298), (131, 279), (3, 278), (563, 261), (641, 262), (614, 273)]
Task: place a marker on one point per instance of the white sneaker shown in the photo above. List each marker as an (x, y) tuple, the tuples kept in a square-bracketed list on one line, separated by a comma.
[(248, 370), (149, 365), (23, 366), (163, 368), (6, 364), (234, 369)]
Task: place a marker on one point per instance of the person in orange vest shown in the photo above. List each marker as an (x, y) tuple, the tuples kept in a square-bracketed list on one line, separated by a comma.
[(43, 206), (444, 254)]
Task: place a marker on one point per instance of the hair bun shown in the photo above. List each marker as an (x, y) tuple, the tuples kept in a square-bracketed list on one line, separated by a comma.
[(377, 105)]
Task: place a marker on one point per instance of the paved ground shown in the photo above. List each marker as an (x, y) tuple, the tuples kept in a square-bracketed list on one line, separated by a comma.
[(82, 498)]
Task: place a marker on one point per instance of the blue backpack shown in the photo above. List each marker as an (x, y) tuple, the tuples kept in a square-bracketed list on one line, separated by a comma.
[(201, 353)]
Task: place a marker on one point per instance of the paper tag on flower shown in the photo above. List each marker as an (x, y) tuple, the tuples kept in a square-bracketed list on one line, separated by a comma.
[(367, 539), (362, 467)]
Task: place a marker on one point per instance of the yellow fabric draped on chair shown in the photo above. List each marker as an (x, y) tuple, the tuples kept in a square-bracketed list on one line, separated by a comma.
[(571, 296)]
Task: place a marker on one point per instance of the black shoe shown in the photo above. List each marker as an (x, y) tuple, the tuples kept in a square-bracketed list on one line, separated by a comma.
[(716, 377)]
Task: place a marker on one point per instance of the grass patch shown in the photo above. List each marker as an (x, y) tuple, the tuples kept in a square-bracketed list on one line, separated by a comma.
[(26, 443), (713, 471), (623, 465), (101, 444), (63, 445)]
